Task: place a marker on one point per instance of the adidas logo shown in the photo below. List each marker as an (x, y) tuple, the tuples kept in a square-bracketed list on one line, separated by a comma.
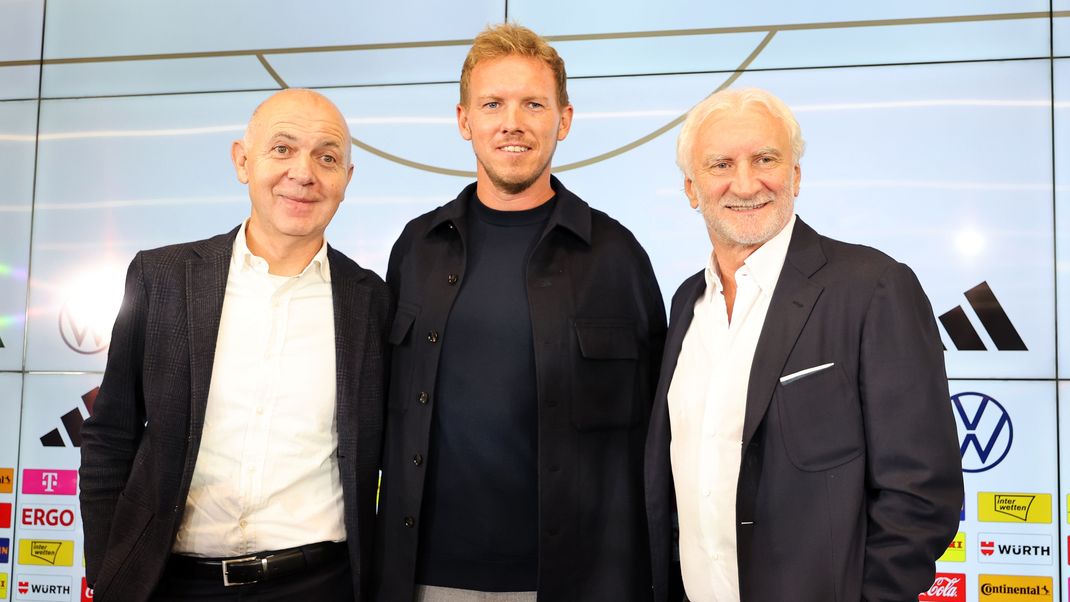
[(72, 423), (993, 319)]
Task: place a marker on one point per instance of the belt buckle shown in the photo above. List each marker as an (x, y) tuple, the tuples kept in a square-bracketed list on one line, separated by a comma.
[(226, 566)]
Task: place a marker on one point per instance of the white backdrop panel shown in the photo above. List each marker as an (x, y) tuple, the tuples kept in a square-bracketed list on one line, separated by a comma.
[(17, 125)]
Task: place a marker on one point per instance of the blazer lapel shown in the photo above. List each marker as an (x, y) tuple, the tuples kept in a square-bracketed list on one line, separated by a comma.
[(351, 303), (206, 284), (793, 300)]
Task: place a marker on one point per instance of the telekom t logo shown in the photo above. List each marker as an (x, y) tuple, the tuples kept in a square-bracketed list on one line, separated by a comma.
[(50, 481)]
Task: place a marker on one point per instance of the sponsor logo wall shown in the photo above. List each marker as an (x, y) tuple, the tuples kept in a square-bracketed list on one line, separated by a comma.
[(46, 561), (1008, 545)]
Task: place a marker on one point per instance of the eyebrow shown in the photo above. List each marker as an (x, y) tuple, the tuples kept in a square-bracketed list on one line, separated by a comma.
[(768, 150), (288, 136)]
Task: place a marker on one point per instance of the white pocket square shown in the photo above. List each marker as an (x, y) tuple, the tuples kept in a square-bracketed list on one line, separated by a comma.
[(801, 373)]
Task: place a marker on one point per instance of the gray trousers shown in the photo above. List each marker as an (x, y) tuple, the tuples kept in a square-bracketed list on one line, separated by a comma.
[(430, 593)]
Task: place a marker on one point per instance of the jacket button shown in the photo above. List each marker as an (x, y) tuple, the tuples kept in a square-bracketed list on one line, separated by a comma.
[(432, 337), (452, 279), (410, 522), (417, 459), (423, 397)]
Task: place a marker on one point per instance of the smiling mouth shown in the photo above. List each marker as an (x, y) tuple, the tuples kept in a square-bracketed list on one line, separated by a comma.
[(514, 148), (747, 207)]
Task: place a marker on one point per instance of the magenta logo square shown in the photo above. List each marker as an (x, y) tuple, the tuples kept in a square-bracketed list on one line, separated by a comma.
[(50, 481)]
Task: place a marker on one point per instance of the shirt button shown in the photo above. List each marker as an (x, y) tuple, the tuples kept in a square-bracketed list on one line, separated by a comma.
[(409, 522), (259, 411), (452, 279), (423, 397), (243, 523), (417, 459), (432, 336), (705, 493)]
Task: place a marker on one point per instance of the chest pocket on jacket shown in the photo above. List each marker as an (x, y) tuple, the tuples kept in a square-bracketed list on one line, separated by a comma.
[(821, 420), (604, 374), (403, 363)]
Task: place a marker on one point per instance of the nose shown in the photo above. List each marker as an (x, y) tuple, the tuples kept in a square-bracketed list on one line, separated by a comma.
[(301, 169), (745, 182), (511, 118)]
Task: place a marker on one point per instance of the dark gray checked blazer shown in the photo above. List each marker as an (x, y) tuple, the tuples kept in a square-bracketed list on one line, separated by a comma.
[(140, 446)]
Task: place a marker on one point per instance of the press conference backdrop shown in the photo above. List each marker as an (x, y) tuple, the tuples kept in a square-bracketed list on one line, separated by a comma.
[(937, 131)]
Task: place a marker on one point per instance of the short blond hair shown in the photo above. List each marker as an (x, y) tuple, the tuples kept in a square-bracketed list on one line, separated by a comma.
[(509, 39)]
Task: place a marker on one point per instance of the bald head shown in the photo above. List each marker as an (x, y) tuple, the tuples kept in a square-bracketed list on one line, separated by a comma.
[(296, 99), (295, 159)]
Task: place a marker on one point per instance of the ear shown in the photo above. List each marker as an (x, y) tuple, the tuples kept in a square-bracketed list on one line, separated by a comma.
[(796, 179), (689, 190), (240, 159), (566, 123), (462, 122), (349, 174)]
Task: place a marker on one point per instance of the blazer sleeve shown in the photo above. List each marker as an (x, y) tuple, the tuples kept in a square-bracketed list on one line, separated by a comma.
[(110, 437), (914, 476)]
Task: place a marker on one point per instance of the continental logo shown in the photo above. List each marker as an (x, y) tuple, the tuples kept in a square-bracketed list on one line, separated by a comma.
[(46, 552), (7, 480), (1014, 507), (1013, 588), (956, 550)]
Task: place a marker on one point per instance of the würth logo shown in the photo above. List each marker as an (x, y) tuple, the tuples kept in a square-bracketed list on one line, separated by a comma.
[(72, 423), (994, 320)]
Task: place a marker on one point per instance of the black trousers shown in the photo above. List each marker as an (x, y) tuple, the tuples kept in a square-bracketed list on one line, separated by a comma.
[(332, 582)]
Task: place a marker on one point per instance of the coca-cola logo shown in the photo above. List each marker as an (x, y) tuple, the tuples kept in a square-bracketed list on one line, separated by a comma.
[(947, 586)]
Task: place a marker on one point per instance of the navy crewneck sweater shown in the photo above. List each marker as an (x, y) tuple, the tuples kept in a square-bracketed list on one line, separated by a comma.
[(480, 510)]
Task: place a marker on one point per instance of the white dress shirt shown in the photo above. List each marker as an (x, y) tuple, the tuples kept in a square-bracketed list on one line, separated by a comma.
[(707, 402), (267, 472)]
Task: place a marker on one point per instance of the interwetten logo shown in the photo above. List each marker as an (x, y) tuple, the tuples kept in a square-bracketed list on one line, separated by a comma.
[(1014, 548), (5, 549), (43, 588), (985, 431), (7, 479), (1013, 588), (50, 518), (5, 516), (1014, 507), (956, 550), (50, 482), (948, 586), (46, 552)]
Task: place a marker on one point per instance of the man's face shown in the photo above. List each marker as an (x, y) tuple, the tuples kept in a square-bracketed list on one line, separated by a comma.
[(513, 121), (295, 160), (744, 178)]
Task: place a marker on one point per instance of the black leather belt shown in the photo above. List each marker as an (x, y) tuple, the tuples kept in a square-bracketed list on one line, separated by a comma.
[(262, 566)]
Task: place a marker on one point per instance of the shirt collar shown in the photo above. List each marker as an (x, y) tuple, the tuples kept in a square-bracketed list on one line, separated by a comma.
[(765, 263), (244, 260)]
